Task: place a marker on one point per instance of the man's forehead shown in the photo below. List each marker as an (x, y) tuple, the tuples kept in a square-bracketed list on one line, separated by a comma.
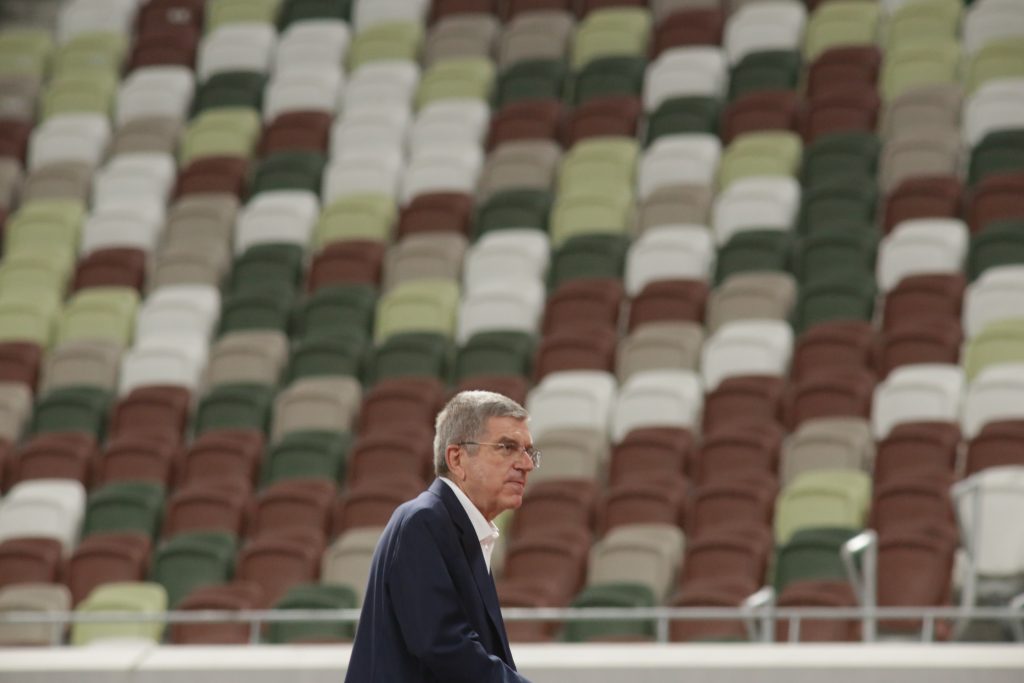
[(506, 426)]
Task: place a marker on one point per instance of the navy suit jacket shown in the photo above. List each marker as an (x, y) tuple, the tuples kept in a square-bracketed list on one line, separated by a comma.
[(431, 612)]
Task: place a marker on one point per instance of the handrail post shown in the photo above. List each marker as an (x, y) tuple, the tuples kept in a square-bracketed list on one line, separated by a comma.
[(864, 583)]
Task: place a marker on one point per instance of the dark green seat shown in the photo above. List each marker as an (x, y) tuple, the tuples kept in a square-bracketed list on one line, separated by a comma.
[(495, 353), (835, 249), (72, 409), (410, 354), (188, 561), (608, 76), (335, 354), (532, 79), (840, 157), (301, 10), (1000, 244), (683, 115), (843, 297), (313, 596), (847, 204), (612, 595), (767, 70), (295, 170), (330, 311), (125, 506), (264, 267), (307, 454), (235, 406), (587, 257), (514, 209), (259, 310), (1000, 151), (230, 89), (811, 554), (754, 250)]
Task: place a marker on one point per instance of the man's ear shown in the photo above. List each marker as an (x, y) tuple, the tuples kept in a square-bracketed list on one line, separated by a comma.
[(453, 456)]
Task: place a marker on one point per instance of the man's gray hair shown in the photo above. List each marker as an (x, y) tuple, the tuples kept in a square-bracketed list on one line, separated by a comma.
[(465, 418)]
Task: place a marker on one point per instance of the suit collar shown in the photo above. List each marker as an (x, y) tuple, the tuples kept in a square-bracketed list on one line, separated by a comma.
[(471, 546)]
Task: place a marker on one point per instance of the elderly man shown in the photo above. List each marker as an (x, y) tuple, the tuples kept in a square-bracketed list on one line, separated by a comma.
[(431, 612)]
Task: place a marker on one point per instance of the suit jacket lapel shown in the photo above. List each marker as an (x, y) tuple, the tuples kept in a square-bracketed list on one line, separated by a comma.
[(471, 546)]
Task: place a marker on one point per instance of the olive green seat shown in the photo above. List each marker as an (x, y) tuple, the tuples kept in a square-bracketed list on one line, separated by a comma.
[(90, 53), (262, 267), (848, 203), (921, 62), (299, 170), (607, 77), (337, 353), (410, 354), (135, 598), (810, 554), (307, 455), (222, 12), (614, 595), (834, 298), (754, 251), (191, 560), (1000, 341), (996, 60), (392, 41), (598, 163), (765, 70), (511, 209), (531, 79), (835, 249), (125, 506), (840, 158), (230, 131), (257, 309), (303, 10), (823, 498), (230, 90), (314, 596), (102, 313), (600, 210), (915, 21), (460, 78), (72, 409), (335, 310), (45, 223), (841, 23), (760, 153), (1001, 243), (356, 217), (677, 115), (611, 32), (25, 51), (588, 256), (428, 305), (36, 273), (1001, 151), (28, 320), (234, 406), (495, 353)]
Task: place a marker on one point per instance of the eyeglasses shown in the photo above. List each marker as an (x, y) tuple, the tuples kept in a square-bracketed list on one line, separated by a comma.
[(508, 449)]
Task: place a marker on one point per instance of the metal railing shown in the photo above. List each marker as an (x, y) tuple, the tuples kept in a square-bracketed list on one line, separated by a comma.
[(759, 614)]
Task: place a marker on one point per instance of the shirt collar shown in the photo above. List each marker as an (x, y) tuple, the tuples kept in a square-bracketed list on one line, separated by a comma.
[(483, 528)]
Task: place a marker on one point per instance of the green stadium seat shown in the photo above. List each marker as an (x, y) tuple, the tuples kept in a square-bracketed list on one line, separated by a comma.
[(191, 560), (602, 209), (847, 203), (80, 92), (303, 10), (765, 70), (307, 455), (339, 353), (588, 256), (532, 79), (334, 310), (356, 217), (514, 209), (622, 595), (102, 313), (91, 52), (823, 498), (289, 171), (125, 506), (262, 267), (607, 76), (611, 32), (995, 60), (230, 131), (841, 23), (29, 320), (411, 354), (142, 598), (760, 153), (1000, 244), (1001, 341), (676, 115), (460, 78), (835, 249), (418, 306), (834, 298), (25, 51), (222, 12), (45, 223), (72, 409), (495, 353), (753, 251), (922, 62), (256, 310), (1001, 151), (234, 406), (397, 41), (230, 90), (840, 157), (314, 596), (811, 553)]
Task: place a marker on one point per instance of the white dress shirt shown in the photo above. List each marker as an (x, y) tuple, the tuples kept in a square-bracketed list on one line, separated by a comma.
[(486, 531)]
